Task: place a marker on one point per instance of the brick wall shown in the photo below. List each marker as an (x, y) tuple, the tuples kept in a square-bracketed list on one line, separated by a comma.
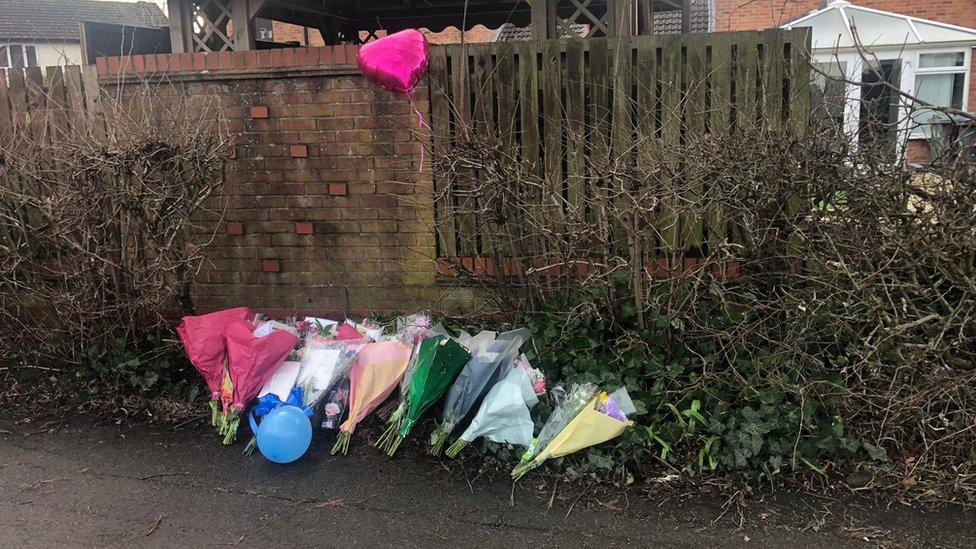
[(761, 14), (324, 210)]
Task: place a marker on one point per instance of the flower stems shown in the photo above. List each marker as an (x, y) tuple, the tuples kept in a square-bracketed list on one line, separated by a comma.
[(251, 445), (455, 449), (231, 423), (214, 412), (394, 445), (386, 439), (342, 443), (521, 469), (437, 441)]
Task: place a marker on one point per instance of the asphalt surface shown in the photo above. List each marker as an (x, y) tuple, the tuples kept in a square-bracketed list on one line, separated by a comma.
[(85, 484)]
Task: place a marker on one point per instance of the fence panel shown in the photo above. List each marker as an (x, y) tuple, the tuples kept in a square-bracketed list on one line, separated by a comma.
[(50, 103), (573, 109)]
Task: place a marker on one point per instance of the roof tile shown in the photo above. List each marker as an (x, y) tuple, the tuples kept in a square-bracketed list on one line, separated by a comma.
[(58, 19)]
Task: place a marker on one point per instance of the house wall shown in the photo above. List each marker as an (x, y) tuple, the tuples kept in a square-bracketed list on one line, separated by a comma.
[(50, 54), (761, 14), (325, 208)]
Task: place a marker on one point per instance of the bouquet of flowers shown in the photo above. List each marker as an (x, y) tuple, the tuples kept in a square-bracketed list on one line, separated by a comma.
[(335, 404), (203, 340), (373, 376), (251, 361), (505, 413), (602, 418), (439, 361), (488, 365), (411, 330)]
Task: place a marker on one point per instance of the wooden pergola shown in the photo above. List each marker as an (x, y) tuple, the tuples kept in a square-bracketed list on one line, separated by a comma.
[(226, 25)]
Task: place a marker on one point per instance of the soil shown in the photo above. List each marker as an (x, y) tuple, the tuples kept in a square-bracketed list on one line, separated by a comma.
[(89, 483)]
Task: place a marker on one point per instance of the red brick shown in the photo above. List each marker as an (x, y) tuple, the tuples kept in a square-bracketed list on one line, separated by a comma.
[(225, 60), (338, 189), (271, 266), (199, 61), (235, 228), (138, 63), (259, 112), (304, 228), (101, 64), (298, 151), (288, 57)]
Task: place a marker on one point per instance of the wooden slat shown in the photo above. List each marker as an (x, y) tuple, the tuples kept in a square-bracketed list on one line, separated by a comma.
[(529, 104), (17, 86), (671, 112), (720, 82), (552, 115), (720, 93), (5, 115), (747, 66), (57, 103), (598, 136), (575, 119), (75, 99), (93, 100), (483, 88), (799, 97), (622, 127), (441, 126), (37, 102), (505, 84), (695, 113), (461, 96), (772, 77)]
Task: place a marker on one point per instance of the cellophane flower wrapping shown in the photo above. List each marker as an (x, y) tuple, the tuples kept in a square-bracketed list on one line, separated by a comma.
[(374, 375), (324, 363), (334, 405), (569, 403), (411, 330), (491, 359), (504, 415)]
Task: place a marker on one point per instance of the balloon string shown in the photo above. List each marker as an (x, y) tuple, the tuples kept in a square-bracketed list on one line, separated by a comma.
[(421, 123)]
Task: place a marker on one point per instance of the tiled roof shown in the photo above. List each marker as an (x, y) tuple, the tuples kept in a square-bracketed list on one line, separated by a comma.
[(58, 19), (665, 22)]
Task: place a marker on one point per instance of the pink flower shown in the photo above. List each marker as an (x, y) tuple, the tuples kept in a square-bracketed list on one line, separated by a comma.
[(539, 387)]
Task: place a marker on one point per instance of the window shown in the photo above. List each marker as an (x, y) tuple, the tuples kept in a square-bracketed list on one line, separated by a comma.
[(940, 79), (17, 56), (830, 91)]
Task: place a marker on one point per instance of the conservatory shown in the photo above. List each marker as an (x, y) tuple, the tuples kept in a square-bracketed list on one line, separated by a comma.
[(858, 50)]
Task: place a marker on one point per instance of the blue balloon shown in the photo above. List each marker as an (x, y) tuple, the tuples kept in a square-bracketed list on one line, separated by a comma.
[(284, 434)]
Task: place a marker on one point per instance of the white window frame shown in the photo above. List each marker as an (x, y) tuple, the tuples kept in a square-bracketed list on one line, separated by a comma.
[(9, 61), (921, 131)]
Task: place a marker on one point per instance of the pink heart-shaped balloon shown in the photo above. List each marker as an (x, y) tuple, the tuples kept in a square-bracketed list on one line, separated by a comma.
[(396, 62)]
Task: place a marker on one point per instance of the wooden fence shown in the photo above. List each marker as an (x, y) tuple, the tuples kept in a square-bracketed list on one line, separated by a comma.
[(52, 102), (541, 96)]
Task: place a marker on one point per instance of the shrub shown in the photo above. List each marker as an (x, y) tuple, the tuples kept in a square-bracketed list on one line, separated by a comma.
[(775, 299), (98, 241)]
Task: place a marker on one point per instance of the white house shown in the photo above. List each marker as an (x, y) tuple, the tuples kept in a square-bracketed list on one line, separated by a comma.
[(42, 33), (930, 60)]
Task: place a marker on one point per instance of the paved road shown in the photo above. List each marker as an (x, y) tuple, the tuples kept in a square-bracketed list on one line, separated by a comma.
[(107, 485)]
